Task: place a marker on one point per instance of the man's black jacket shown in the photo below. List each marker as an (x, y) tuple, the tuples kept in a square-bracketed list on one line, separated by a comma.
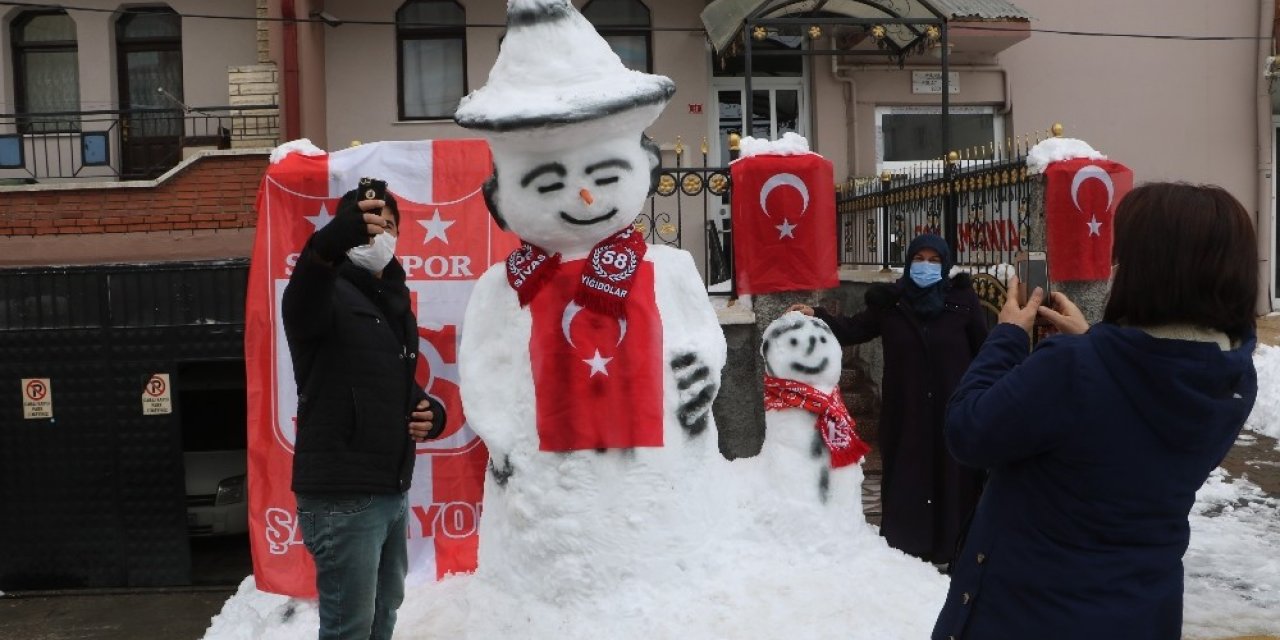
[(354, 344)]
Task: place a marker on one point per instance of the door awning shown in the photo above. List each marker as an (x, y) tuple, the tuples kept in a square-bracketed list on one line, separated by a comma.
[(723, 19)]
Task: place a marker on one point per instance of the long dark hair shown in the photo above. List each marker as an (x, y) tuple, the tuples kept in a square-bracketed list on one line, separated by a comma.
[(1184, 253)]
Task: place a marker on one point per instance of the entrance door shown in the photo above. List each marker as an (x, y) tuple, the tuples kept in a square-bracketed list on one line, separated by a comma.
[(149, 65), (776, 108)]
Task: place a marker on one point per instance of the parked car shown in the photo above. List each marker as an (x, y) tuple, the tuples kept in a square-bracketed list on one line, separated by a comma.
[(217, 501)]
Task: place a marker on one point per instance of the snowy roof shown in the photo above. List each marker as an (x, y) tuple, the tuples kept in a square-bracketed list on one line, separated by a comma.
[(723, 19), (981, 9)]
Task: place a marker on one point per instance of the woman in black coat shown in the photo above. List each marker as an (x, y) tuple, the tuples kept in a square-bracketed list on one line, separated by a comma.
[(930, 328)]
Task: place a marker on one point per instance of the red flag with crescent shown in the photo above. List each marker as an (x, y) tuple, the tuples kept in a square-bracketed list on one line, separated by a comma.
[(597, 377), (784, 222), (1080, 207)]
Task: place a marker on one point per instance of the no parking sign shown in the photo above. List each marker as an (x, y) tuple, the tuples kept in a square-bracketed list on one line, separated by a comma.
[(37, 399), (157, 398)]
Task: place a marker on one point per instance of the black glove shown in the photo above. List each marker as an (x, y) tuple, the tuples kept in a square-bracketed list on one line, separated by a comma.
[(346, 230), (882, 296), (439, 419)]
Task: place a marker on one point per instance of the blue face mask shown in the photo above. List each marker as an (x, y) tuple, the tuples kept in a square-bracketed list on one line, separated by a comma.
[(926, 274)]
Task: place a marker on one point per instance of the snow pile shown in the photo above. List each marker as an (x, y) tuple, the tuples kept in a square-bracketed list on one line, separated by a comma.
[(302, 146), (1056, 149), (791, 144), (1265, 418), (1233, 562), (255, 615)]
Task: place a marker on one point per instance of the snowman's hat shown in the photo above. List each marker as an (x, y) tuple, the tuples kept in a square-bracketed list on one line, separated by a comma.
[(553, 70)]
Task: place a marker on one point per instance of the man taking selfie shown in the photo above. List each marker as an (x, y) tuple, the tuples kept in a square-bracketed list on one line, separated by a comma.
[(354, 343)]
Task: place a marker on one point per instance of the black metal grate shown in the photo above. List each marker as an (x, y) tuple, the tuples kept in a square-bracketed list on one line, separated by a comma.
[(95, 496)]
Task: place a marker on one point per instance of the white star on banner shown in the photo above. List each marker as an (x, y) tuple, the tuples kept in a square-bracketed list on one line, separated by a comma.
[(785, 229), (320, 219), (597, 364), (436, 228), (1094, 227)]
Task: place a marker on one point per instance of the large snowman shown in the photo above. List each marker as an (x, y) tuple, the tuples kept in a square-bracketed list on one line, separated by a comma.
[(589, 360)]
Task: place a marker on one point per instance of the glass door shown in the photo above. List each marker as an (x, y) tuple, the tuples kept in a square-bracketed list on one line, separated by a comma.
[(774, 112), (149, 57)]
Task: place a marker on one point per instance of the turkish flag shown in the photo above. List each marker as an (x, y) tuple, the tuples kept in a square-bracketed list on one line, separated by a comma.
[(447, 240), (1080, 208), (597, 378), (784, 223)]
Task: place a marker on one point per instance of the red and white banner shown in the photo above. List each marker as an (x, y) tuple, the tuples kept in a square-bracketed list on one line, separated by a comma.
[(447, 240), (1080, 211), (784, 221)]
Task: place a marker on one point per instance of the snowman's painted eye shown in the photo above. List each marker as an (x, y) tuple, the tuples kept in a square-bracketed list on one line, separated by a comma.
[(555, 186), (604, 181), (823, 339), (794, 342)]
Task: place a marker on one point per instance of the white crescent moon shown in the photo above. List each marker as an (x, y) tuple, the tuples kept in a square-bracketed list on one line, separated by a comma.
[(566, 323), (783, 180), (1097, 173)]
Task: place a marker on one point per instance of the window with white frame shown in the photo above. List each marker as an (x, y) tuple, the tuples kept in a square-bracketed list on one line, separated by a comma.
[(907, 136), (46, 70), (624, 24), (431, 57)]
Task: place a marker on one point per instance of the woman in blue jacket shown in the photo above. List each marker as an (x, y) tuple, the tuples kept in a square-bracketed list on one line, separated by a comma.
[(1098, 440)]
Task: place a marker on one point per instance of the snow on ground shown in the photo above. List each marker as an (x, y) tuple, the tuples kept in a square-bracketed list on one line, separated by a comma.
[(1233, 562), (1265, 418), (1232, 579)]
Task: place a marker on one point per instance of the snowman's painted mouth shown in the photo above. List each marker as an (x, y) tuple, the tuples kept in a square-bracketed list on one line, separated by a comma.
[(572, 220), (802, 368)]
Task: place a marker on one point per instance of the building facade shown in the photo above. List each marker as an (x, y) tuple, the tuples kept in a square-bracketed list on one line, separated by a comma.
[(133, 136)]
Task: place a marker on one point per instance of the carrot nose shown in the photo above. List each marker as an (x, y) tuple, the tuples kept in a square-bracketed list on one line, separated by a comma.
[(586, 197)]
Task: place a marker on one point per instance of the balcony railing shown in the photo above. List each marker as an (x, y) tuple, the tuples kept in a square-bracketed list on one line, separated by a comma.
[(133, 144)]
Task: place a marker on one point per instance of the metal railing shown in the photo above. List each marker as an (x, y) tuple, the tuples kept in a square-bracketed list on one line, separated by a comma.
[(702, 193), (124, 144), (978, 199)]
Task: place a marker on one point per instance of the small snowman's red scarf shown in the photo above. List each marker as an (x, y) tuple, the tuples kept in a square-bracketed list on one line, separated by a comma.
[(595, 347), (834, 422)]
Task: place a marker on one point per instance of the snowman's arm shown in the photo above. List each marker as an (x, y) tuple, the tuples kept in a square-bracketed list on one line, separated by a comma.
[(693, 340), (488, 363), (691, 311)]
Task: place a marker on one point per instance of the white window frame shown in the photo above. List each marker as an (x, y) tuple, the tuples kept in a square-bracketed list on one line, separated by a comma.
[(897, 166), (800, 85)]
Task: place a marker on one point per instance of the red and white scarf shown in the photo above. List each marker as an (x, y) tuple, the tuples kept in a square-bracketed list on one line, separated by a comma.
[(834, 422), (608, 273)]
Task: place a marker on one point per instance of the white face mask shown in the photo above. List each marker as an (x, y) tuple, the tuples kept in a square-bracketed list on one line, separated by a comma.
[(374, 257)]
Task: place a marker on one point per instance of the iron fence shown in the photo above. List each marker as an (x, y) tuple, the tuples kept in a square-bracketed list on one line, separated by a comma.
[(128, 144), (703, 194), (980, 201)]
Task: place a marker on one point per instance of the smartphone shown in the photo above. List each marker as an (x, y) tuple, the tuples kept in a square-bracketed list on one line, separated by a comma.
[(1032, 268), (372, 189)]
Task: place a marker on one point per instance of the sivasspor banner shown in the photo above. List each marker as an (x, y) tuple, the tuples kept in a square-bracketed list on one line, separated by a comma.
[(1080, 211), (784, 220), (447, 240)]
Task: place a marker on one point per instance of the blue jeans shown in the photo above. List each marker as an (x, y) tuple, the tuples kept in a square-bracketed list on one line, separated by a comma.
[(358, 542)]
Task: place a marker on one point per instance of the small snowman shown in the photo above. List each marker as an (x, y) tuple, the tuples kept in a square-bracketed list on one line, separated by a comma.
[(589, 360), (810, 452)]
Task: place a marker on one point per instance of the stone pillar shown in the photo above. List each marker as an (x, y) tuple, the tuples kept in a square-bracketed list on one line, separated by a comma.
[(255, 85), (264, 39)]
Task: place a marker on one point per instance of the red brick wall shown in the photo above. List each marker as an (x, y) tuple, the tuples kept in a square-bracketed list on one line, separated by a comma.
[(215, 192)]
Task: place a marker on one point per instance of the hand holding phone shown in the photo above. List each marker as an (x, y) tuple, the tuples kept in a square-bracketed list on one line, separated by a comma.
[(372, 189), (1032, 268)]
